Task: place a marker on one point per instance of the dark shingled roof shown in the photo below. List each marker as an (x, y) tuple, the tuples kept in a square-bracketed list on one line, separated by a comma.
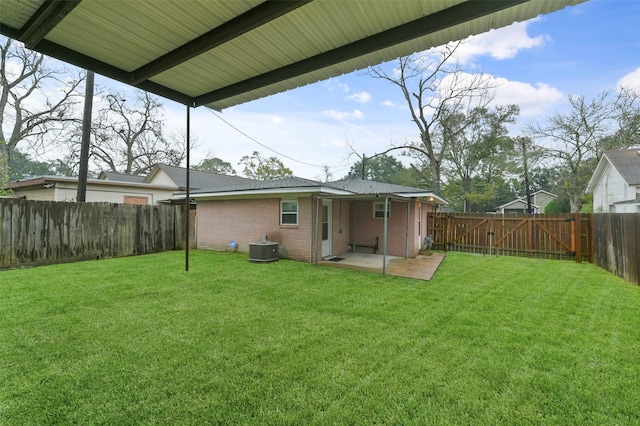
[(627, 163), (367, 187), (354, 186), (200, 180), (253, 185), (121, 177)]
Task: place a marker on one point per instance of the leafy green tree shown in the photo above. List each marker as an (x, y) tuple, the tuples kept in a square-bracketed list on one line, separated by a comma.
[(559, 205), (379, 168), (587, 204), (215, 165), (545, 178), (478, 151), (260, 168), (23, 166)]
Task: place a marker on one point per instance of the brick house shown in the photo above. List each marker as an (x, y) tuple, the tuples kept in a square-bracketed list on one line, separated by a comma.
[(312, 220)]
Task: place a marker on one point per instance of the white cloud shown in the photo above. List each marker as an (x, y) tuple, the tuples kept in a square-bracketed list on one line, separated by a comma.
[(337, 143), (533, 99), (503, 43), (630, 81), (361, 97), (334, 83), (343, 115), (277, 119)]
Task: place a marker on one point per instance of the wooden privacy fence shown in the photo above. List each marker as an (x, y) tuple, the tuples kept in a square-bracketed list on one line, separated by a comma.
[(545, 236), (42, 232), (617, 244)]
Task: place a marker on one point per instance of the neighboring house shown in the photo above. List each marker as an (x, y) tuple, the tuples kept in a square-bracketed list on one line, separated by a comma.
[(120, 177), (176, 176), (539, 200), (312, 220), (615, 183), (158, 187), (61, 188)]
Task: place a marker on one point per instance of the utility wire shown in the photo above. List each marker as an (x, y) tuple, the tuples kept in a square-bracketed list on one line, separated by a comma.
[(265, 146)]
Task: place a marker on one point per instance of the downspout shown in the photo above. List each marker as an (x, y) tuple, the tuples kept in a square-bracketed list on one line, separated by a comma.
[(406, 239), (311, 230), (384, 249), (355, 207)]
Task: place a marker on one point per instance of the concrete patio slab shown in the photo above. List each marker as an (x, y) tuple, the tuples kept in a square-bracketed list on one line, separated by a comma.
[(422, 267)]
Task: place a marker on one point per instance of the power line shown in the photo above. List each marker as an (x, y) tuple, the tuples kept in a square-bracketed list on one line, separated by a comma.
[(266, 147)]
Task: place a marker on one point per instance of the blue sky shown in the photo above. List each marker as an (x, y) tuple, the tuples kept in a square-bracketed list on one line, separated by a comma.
[(584, 49)]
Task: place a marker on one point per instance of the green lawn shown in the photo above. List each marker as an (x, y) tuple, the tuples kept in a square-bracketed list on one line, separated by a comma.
[(487, 341)]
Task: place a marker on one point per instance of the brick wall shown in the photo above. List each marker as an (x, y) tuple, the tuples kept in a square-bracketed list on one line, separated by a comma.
[(365, 228), (400, 240), (246, 221)]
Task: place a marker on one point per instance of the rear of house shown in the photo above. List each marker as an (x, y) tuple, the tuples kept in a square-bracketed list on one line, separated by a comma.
[(312, 220)]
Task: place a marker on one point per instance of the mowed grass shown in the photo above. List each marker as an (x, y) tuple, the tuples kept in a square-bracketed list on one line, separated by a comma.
[(488, 341)]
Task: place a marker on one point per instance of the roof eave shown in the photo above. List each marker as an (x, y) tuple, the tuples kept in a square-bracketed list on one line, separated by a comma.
[(265, 191)]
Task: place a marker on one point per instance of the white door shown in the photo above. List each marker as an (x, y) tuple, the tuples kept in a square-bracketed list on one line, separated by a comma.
[(326, 228)]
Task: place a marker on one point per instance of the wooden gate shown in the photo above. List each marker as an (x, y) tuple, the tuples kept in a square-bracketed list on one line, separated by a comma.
[(545, 236)]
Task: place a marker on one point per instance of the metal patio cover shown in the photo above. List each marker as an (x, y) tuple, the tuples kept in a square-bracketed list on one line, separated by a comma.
[(224, 53)]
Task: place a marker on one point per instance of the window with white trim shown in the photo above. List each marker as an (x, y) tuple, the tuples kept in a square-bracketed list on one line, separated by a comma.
[(378, 209), (288, 212)]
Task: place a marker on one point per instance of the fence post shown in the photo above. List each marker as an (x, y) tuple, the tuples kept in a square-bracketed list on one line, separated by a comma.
[(530, 219), (591, 238), (447, 230), (577, 236)]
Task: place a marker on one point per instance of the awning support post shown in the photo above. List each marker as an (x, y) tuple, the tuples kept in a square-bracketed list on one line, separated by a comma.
[(384, 244), (187, 204)]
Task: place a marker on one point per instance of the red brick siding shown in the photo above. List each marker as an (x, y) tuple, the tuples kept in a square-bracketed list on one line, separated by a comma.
[(400, 240), (246, 221)]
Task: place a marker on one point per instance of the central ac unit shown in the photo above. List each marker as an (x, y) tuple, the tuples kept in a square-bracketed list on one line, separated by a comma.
[(264, 251)]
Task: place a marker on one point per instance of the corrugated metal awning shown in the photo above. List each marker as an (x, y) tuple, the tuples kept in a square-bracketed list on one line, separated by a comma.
[(223, 53)]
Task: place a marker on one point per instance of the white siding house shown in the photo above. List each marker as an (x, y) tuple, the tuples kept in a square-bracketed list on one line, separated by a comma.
[(160, 186), (615, 184), (539, 201), (62, 188)]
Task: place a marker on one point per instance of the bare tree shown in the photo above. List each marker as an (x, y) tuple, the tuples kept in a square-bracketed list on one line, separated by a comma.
[(527, 159), (36, 101), (128, 136), (574, 139), (327, 174), (626, 112), (431, 83), (4, 171)]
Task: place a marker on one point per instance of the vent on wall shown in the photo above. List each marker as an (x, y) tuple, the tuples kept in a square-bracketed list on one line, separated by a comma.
[(265, 251)]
